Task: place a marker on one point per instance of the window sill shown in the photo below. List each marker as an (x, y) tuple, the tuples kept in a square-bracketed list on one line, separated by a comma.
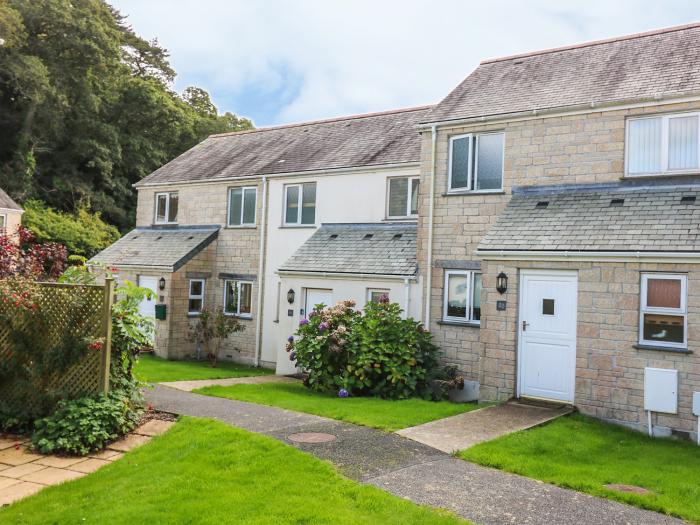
[(243, 227), (193, 314), (460, 323), (663, 175), (475, 192), (242, 317), (297, 226), (165, 224), (663, 349), (411, 218)]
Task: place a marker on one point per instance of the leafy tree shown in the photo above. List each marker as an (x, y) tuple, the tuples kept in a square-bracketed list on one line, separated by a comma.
[(86, 107), (83, 232)]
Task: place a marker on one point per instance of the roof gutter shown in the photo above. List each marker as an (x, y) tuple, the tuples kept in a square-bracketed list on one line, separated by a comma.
[(348, 275), (431, 215), (608, 256), (587, 107), (306, 173)]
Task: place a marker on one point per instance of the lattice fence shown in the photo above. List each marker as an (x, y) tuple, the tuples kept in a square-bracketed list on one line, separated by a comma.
[(44, 355)]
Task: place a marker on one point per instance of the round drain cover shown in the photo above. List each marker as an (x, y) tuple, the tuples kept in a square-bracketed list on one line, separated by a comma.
[(311, 437)]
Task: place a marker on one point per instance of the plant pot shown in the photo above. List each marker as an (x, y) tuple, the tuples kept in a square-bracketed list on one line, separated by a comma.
[(470, 392)]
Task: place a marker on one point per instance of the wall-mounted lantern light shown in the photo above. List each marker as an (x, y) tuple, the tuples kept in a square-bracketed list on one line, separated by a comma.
[(161, 284), (502, 283), (290, 296)]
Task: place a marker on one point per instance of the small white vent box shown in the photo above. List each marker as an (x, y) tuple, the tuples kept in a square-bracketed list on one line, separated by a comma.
[(696, 405), (661, 390)]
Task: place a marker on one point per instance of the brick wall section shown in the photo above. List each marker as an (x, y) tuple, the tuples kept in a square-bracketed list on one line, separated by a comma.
[(586, 148), (236, 251), (609, 370)]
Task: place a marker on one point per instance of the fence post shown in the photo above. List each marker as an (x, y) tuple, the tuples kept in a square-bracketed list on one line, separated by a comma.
[(105, 358)]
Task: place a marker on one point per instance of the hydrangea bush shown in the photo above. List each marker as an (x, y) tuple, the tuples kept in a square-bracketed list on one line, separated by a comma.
[(375, 352)]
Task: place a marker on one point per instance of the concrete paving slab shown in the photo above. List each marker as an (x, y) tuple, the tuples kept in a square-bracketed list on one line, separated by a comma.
[(154, 427), (52, 476), (89, 465), (13, 456), (8, 482), (104, 454), (58, 461), (188, 386), (18, 491), (127, 443), (22, 470), (466, 430), (6, 442)]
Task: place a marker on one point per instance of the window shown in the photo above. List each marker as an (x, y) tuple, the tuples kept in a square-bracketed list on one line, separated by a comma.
[(241, 206), (300, 204), (374, 295), (238, 298), (196, 296), (663, 310), (3, 223), (462, 301), (403, 197), (663, 144), (476, 162), (166, 208)]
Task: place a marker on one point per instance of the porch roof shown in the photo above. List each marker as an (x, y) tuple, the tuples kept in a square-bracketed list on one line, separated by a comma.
[(7, 203), (620, 217), (164, 248), (358, 249)]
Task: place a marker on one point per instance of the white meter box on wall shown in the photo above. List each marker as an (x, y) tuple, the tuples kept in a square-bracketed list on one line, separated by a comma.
[(661, 390)]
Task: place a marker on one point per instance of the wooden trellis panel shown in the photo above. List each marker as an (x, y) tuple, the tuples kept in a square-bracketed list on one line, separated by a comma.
[(64, 314)]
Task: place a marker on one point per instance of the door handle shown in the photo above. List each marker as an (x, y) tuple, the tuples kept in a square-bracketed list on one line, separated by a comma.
[(524, 325)]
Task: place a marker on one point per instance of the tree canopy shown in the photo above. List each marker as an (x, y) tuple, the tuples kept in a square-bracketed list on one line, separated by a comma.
[(87, 108)]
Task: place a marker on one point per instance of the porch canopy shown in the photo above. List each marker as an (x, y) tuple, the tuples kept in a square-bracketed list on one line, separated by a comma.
[(162, 248), (631, 217), (357, 249)]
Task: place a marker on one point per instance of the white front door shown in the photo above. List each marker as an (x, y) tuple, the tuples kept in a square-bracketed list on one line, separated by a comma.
[(316, 296), (547, 334), (148, 305)]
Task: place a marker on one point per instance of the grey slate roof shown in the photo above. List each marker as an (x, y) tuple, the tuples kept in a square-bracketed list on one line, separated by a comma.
[(364, 140), (386, 249), (7, 202), (163, 248), (642, 66), (585, 218)]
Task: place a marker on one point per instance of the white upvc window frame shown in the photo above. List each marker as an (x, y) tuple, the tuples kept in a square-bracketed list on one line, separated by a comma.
[(243, 189), (664, 144), (300, 203), (469, 319), (238, 313), (191, 296), (411, 181), (168, 195), (473, 163), (679, 312), (3, 223), (383, 291)]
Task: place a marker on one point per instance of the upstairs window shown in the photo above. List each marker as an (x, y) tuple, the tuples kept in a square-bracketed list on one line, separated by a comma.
[(241, 206), (166, 208), (403, 197), (462, 296), (196, 296), (663, 145), (238, 298), (476, 162), (663, 312), (300, 204)]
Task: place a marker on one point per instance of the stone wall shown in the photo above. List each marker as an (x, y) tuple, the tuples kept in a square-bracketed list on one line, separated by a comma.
[(13, 221)]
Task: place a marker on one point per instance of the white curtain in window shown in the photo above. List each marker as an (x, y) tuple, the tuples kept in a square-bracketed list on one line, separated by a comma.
[(644, 148), (683, 143)]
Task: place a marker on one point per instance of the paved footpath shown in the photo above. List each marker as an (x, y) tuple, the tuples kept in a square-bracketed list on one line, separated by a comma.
[(415, 471)]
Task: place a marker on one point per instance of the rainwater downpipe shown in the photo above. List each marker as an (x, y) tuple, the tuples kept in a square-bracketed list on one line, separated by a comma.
[(406, 298), (431, 205), (261, 272)]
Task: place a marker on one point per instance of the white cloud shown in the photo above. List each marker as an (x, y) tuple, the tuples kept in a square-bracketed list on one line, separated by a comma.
[(282, 61)]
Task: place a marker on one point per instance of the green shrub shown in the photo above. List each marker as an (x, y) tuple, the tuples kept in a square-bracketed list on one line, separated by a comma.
[(83, 232), (374, 352), (84, 425)]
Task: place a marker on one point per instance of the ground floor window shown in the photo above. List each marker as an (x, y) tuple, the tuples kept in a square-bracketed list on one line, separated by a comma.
[(238, 298), (462, 296), (663, 310), (375, 295), (196, 296)]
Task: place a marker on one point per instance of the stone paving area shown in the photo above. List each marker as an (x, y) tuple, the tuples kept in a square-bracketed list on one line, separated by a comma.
[(23, 472), (413, 470), (188, 386), (466, 430)]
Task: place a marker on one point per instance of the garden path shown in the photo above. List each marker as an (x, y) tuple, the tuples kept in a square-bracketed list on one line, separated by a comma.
[(413, 470), (188, 386)]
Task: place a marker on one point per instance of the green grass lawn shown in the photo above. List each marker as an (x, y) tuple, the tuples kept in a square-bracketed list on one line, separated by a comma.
[(205, 472), (368, 411), (583, 454), (154, 369)]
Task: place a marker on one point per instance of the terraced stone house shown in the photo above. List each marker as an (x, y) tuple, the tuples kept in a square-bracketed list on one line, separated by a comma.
[(10, 215)]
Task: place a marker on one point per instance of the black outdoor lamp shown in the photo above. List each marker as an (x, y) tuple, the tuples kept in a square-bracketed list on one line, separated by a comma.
[(502, 283), (161, 284), (290, 296)]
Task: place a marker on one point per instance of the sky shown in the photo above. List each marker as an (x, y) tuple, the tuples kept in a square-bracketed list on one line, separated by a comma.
[(278, 62)]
